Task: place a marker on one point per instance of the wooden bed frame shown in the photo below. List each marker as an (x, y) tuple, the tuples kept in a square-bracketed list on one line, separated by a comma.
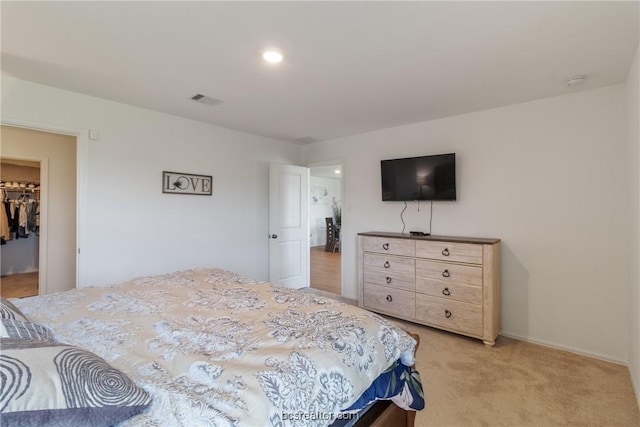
[(384, 414)]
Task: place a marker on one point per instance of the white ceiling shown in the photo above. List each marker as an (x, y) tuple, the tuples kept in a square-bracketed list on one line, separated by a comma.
[(350, 67)]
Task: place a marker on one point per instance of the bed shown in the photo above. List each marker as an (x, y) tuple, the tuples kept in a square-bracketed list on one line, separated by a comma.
[(203, 347)]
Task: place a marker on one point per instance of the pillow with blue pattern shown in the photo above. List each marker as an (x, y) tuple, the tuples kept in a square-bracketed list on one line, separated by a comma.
[(19, 329), (10, 311), (54, 384)]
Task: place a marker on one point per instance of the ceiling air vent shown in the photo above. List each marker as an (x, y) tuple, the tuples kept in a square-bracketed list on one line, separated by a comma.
[(207, 100)]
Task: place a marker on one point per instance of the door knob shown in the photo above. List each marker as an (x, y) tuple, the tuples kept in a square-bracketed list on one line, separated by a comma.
[(274, 236)]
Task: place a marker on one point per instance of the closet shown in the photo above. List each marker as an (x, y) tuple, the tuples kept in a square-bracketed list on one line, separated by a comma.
[(19, 227), (53, 159)]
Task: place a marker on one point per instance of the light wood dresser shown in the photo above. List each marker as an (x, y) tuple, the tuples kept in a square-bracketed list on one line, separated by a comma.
[(450, 283)]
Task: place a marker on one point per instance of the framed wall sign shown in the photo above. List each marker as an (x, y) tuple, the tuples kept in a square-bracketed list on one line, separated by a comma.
[(186, 183)]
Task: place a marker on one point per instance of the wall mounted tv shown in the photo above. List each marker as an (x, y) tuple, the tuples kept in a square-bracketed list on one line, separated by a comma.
[(419, 178)]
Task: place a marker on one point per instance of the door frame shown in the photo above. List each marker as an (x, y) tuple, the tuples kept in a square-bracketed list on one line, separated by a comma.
[(82, 156), (342, 227)]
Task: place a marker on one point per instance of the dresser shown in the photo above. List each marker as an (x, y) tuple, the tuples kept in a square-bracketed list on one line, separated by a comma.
[(450, 283)]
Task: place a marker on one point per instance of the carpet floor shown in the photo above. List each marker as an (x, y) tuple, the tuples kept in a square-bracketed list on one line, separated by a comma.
[(518, 384)]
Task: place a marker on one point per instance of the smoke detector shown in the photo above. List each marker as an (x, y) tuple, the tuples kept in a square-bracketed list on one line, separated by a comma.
[(576, 80), (206, 100)]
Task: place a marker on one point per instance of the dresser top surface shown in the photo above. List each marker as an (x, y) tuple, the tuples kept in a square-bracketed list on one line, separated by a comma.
[(458, 239)]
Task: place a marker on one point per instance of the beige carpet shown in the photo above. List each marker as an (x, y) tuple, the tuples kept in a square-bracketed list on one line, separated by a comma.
[(518, 384)]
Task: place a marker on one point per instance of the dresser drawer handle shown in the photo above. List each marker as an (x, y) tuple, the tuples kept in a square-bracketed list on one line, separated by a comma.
[(447, 314), (389, 298), (446, 273), (446, 292), (385, 246), (386, 264), (445, 252), (389, 279)]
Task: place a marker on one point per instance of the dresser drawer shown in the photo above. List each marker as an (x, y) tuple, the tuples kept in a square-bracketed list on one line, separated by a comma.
[(393, 301), (392, 280), (451, 273), (453, 315), (449, 251), (391, 246), (390, 264), (450, 291)]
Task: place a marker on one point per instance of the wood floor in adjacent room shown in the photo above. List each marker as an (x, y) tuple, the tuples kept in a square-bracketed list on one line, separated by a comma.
[(19, 285), (325, 270)]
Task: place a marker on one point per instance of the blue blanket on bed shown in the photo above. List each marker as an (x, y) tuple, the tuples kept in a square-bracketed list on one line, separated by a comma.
[(399, 383)]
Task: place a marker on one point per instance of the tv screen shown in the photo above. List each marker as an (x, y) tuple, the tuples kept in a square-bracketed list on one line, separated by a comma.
[(419, 178)]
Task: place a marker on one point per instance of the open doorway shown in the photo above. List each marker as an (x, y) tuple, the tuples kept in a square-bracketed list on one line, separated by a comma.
[(325, 223), (41, 253)]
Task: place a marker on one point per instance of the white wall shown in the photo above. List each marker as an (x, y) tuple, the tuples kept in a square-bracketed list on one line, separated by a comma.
[(133, 229), (318, 212), (549, 178), (633, 114)]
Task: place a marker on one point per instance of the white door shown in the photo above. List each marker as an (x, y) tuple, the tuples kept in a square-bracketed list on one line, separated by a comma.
[(288, 225)]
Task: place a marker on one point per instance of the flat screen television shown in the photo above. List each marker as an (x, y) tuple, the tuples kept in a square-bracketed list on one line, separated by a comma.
[(419, 178)]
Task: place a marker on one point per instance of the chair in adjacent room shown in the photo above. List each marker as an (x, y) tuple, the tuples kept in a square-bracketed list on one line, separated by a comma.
[(333, 237)]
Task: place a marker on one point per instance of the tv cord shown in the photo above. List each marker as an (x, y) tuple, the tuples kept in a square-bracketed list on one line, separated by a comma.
[(431, 215), (401, 218)]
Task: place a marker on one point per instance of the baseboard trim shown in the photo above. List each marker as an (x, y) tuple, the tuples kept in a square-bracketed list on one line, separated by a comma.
[(636, 387), (570, 349)]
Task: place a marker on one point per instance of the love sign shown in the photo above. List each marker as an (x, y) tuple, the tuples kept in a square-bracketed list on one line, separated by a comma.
[(186, 183)]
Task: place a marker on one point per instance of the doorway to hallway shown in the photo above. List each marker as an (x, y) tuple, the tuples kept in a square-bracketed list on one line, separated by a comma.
[(325, 223)]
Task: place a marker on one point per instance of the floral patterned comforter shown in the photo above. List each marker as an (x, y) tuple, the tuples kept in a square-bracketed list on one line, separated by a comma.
[(217, 349)]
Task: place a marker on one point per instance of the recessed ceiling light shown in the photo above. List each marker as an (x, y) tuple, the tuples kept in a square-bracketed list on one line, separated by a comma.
[(272, 56), (337, 171)]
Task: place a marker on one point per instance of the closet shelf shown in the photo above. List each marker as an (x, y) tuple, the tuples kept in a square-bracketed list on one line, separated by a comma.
[(18, 186), (20, 190)]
